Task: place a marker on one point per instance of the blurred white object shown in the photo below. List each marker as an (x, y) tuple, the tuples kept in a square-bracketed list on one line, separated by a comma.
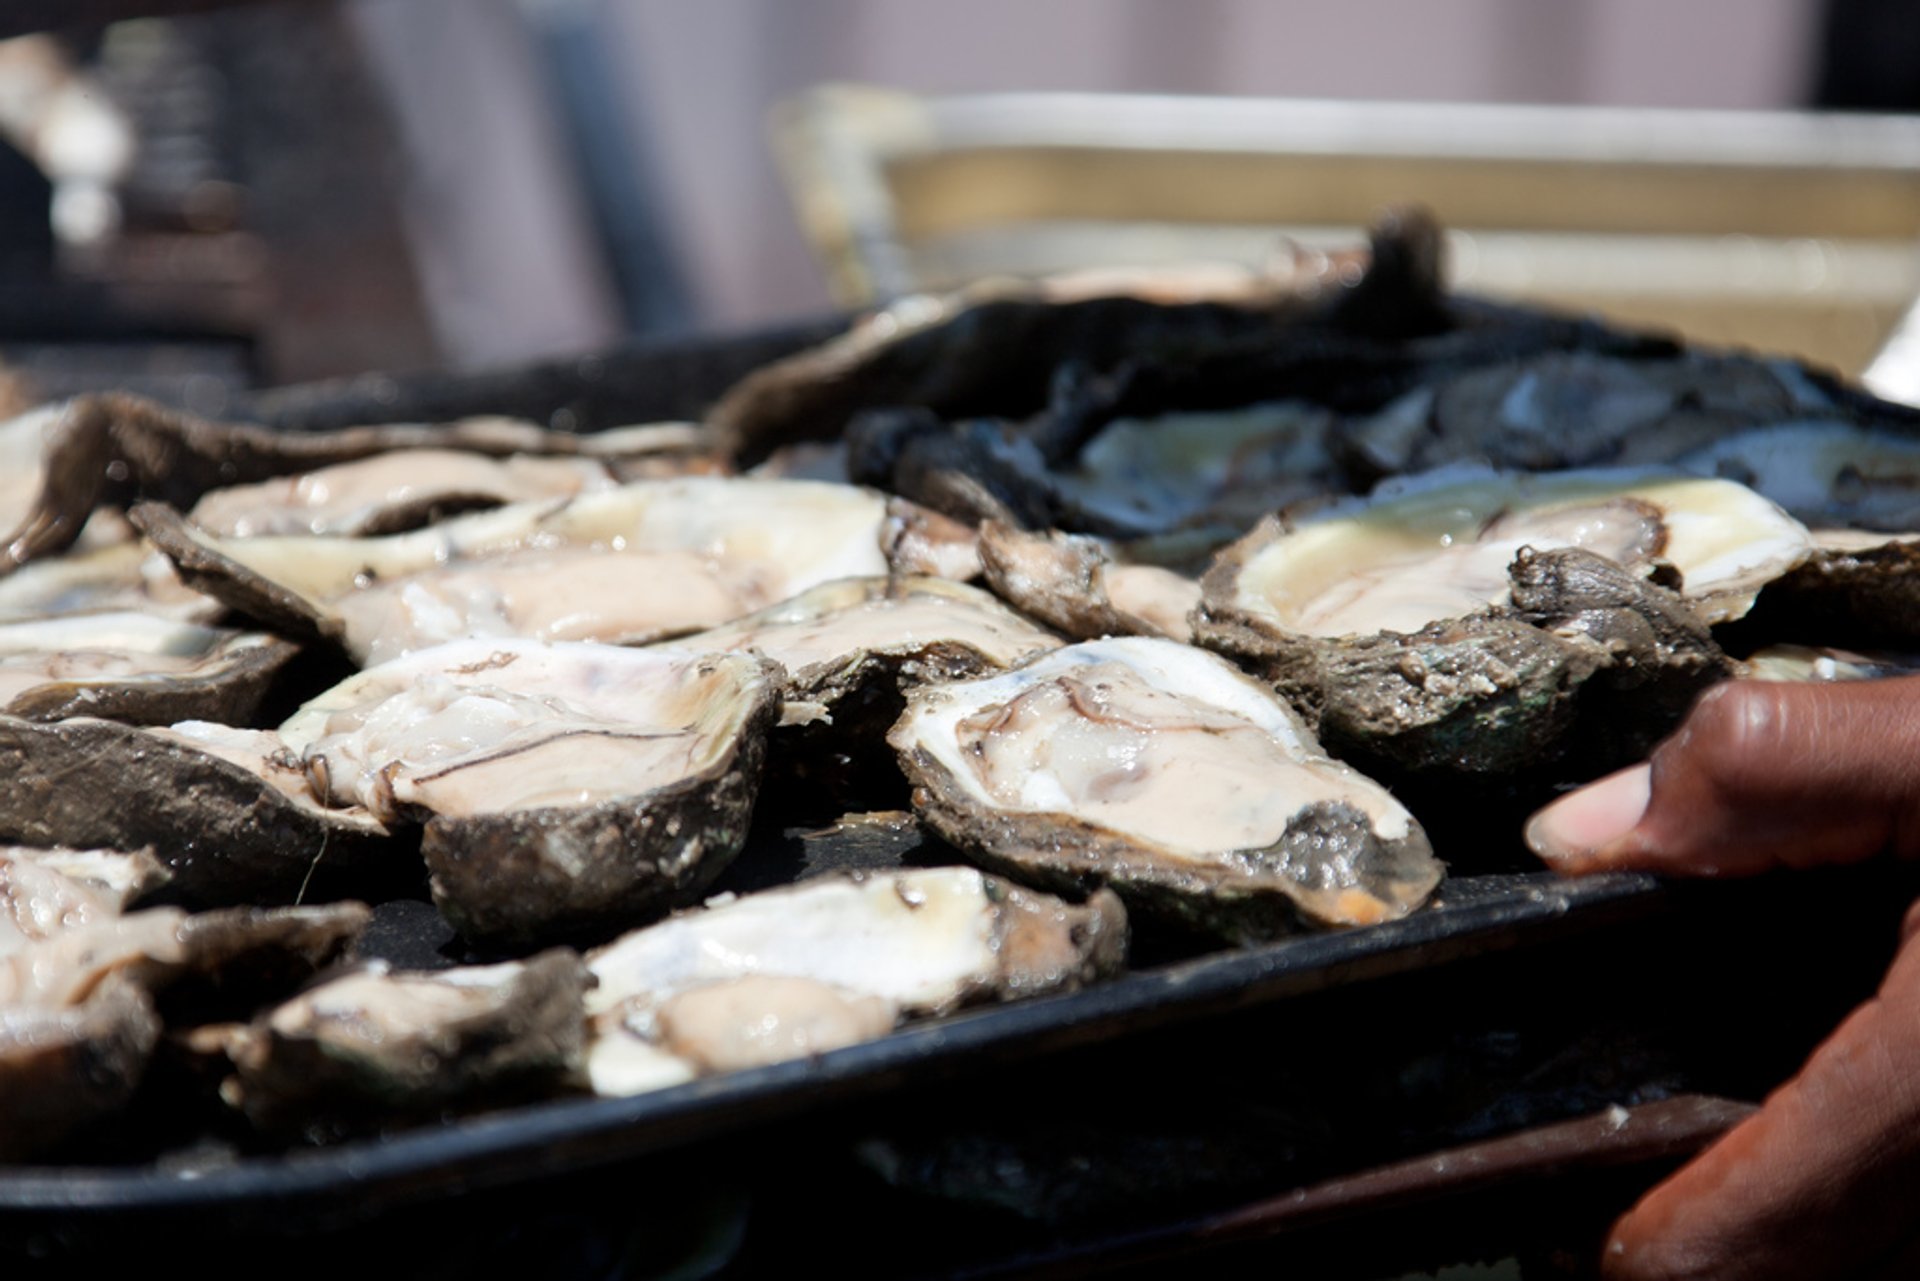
[(63, 121)]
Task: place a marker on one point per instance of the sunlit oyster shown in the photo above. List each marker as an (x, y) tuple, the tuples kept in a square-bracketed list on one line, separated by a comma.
[(1453, 622), (68, 459), (135, 668), (1072, 582), (225, 809), (830, 962), (374, 1046), (849, 649), (1162, 771), (121, 577), (63, 1067), (642, 562), (392, 492), (565, 789), (78, 1018), (46, 892)]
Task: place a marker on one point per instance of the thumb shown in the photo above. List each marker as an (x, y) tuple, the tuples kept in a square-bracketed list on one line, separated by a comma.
[(1758, 775)]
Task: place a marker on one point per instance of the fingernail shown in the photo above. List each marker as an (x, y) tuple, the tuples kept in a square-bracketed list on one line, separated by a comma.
[(1569, 832)]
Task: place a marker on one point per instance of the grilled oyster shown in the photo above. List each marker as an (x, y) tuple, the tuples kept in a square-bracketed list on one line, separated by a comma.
[(1162, 771), (565, 789), (63, 1067), (837, 639), (223, 808), (373, 1046), (78, 1019), (45, 892), (120, 577), (135, 668), (115, 448), (1071, 582), (392, 492), (642, 562), (1453, 623), (829, 962)]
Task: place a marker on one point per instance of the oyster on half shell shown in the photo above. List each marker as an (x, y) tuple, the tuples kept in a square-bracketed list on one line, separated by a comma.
[(1165, 773), (1458, 622), (136, 668), (827, 963), (565, 788), (642, 562)]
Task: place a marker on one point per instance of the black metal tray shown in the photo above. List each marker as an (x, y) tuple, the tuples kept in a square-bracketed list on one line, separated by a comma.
[(1474, 916)]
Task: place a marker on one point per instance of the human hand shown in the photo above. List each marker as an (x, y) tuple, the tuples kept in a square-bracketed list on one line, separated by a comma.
[(1818, 1182)]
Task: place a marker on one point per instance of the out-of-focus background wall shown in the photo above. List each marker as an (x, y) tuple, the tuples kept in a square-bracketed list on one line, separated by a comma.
[(704, 77), (353, 184)]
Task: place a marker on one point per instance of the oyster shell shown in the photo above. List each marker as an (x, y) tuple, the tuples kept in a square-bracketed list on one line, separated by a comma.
[(995, 348), (78, 1017), (642, 562), (829, 962), (565, 789), (1824, 473), (136, 668), (1163, 772), (1857, 588)]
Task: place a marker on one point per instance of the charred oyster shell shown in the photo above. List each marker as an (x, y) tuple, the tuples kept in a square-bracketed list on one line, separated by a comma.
[(565, 789), (1160, 771)]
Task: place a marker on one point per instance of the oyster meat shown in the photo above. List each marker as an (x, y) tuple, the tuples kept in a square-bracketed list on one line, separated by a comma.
[(648, 560), (565, 788), (829, 962), (1165, 773)]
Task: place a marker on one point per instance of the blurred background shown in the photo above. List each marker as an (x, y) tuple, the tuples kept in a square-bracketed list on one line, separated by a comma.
[(196, 193)]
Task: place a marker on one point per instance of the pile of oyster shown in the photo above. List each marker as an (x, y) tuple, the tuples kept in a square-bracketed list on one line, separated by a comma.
[(1222, 606)]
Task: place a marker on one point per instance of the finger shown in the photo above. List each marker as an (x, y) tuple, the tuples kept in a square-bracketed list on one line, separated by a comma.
[(1819, 1182), (1758, 775)]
